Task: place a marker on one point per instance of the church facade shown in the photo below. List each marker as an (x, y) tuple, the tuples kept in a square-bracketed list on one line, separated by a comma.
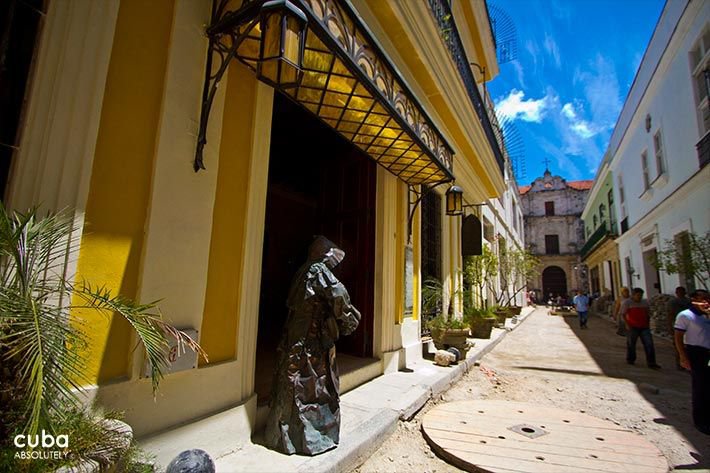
[(554, 232)]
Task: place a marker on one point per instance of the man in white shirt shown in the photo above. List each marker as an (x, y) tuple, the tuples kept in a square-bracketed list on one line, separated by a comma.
[(692, 340), (581, 303)]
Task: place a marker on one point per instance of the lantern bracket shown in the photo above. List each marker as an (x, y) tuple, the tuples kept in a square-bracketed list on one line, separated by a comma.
[(415, 197), (237, 25), (226, 33)]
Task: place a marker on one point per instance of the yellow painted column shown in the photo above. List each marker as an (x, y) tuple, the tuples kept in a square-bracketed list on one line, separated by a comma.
[(401, 242), (121, 175), (386, 337), (221, 318)]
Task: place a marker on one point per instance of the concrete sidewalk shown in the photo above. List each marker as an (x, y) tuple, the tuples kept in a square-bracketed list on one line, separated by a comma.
[(369, 414)]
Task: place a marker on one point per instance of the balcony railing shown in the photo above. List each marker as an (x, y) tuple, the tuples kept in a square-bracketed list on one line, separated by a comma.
[(450, 35), (703, 148), (598, 235)]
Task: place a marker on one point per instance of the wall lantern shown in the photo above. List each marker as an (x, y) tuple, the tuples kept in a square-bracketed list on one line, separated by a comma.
[(282, 43), (283, 28), (454, 201)]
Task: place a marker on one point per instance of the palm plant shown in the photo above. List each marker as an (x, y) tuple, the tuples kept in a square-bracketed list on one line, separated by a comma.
[(433, 298), (41, 353)]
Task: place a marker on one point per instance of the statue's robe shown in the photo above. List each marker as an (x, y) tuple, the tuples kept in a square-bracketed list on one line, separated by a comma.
[(304, 414)]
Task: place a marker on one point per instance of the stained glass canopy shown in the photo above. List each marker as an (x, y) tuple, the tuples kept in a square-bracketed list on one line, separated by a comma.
[(350, 84)]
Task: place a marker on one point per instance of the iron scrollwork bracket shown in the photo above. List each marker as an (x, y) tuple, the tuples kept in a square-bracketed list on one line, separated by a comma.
[(233, 26), (414, 198)]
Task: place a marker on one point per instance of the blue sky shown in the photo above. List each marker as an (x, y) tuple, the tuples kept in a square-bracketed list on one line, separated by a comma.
[(575, 63)]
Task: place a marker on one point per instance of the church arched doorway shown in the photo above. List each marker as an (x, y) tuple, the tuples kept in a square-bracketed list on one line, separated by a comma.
[(554, 281)]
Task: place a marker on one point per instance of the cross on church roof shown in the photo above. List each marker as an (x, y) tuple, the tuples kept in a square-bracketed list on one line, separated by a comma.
[(547, 163)]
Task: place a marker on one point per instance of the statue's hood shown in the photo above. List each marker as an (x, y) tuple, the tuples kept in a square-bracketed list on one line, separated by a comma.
[(325, 251)]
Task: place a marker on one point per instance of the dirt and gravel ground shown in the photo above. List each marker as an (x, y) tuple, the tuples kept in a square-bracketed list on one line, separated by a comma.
[(549, 361)]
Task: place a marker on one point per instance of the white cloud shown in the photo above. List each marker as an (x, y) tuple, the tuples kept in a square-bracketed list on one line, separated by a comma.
[(584, 124), (552, 49), (519, 72), (568, 111), (601, 91), (581, 127), (532, 48), (534, 51), (575, 143), (515, 107)]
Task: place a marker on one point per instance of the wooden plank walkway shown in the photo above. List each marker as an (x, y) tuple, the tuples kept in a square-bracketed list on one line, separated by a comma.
[(477, 436)]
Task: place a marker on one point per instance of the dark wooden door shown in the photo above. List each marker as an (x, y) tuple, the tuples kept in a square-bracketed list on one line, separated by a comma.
[(348, 219), (20, 23)]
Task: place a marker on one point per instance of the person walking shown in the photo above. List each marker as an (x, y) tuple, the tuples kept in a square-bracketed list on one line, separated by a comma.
[(581, 304), (621, 324), (692, 341), (635, 312), (674, 307)]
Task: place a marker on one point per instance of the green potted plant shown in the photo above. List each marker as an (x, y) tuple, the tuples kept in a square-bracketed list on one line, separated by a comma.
[(501, 313), (446, 330), (481, 322)]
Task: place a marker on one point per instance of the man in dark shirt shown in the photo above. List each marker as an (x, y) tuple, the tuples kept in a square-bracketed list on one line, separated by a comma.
[(635, 312)]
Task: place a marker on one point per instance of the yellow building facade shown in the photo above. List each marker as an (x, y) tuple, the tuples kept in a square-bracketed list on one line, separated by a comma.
[(110, 130), (600, 251)]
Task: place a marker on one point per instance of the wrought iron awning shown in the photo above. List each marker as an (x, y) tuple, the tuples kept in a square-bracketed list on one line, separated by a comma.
[(350, 84)]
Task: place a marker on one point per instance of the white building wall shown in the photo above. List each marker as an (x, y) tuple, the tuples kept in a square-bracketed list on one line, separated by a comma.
[(506, 215), (677, 199), (687, 210)]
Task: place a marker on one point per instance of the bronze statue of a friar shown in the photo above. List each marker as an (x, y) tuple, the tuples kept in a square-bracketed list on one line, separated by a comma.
[(304, 414)]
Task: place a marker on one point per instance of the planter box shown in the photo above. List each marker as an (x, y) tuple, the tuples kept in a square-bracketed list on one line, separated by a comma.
[(501, 315), (450, 337), (515, 310), (481, 328), (456, 338)]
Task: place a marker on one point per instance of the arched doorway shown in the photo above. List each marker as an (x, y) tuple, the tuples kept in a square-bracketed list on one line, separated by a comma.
[(554, 280)]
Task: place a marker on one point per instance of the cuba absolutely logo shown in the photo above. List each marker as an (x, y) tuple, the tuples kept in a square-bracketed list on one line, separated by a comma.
[(36, 447)]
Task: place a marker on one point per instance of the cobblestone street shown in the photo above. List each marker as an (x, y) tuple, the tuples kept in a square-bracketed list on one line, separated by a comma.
[(550, 362)]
